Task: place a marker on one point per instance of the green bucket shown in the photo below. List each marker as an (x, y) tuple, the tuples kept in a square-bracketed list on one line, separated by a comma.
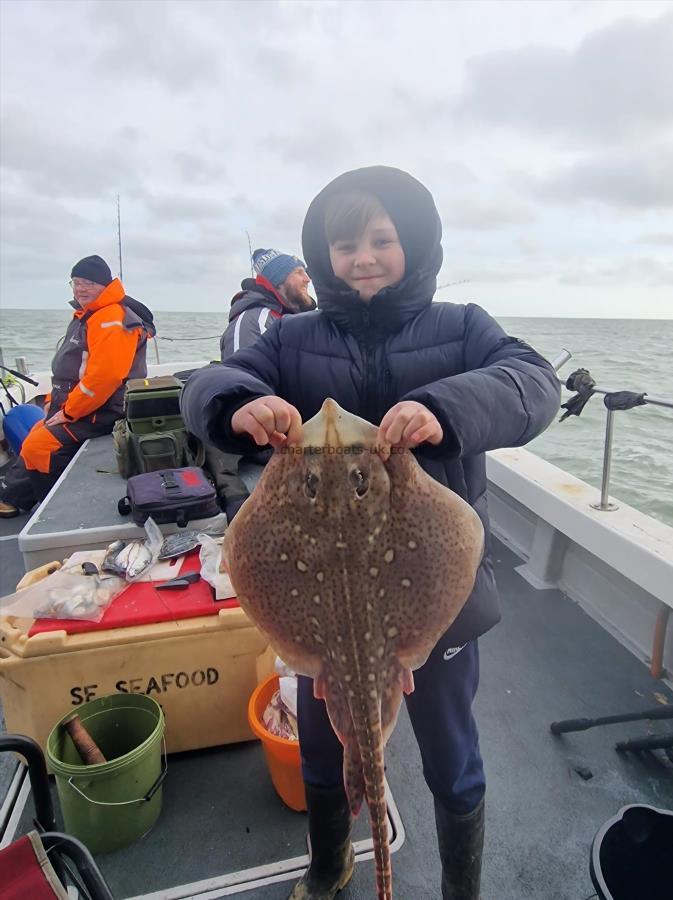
[(111, 804)]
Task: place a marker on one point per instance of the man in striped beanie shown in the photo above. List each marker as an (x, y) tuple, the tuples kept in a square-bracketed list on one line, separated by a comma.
[(280, 288)]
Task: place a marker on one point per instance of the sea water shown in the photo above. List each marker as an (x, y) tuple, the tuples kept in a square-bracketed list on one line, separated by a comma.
[(621, 354)]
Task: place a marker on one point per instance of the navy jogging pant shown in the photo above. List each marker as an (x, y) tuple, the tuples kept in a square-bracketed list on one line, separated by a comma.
[(440, 709)]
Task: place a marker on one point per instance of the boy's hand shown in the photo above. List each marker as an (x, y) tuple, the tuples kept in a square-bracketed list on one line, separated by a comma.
[(408, 424), (268, 420)]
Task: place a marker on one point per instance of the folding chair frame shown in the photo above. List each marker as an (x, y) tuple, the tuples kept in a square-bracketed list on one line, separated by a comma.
[(55, 843)]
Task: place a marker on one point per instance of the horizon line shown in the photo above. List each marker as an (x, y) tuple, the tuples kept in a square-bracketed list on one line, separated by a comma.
[(494, 315)]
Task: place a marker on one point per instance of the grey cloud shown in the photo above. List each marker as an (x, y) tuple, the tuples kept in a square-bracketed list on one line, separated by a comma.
[(130, 134), (424, 109), (319, 147), (642, 180), (59, 165), (255, 19), (660, 238), (211, 119), (174, 258), (281, 64), (183, 209), (616, 83), (284, 220), (22, 266), (16, 211), (578, 272), (160, 248), (196, 169), (639, 271), (42, 237), (451, 172), (502, 273), (528, 246), (474, 214), (242, 203), (156, 41)]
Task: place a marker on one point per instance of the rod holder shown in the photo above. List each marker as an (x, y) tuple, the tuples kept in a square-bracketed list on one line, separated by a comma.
[(561, 359), (605, 505)]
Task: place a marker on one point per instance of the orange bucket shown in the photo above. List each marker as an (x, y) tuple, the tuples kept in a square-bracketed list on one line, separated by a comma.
[(282, 756)]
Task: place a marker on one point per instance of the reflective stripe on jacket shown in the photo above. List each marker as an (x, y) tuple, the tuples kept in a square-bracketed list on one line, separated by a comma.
[(252, 311), (105, 345)]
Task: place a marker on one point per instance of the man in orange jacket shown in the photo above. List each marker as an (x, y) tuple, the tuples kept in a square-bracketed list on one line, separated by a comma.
[(104, 346)]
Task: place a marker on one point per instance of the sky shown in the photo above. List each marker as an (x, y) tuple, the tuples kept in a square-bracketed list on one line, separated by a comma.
[(543, 129)]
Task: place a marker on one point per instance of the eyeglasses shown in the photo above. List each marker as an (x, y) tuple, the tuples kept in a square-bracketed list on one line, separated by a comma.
[(81, 282)]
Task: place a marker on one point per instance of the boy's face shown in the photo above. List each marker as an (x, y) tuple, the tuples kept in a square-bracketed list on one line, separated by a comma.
[(371, 262)]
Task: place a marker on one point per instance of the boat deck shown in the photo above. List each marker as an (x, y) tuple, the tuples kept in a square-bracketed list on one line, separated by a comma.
[(223, 831)]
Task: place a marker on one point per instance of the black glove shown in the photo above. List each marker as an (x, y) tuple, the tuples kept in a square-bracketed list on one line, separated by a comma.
[(581, 381), (624, 400)]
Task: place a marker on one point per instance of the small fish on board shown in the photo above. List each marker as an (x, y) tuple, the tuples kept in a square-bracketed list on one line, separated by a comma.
[(178, 544), (128, 560)]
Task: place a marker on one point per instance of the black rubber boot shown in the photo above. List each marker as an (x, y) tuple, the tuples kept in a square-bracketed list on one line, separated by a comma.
[(461, 842), (332, 855)]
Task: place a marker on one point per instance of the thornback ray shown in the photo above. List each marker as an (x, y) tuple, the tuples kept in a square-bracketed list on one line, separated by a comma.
[(354, 565)]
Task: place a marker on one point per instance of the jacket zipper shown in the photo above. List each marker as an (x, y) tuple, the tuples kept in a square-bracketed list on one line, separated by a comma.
[(371, 393)]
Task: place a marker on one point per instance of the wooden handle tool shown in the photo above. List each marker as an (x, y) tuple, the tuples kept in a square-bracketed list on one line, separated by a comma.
[(84, 743)]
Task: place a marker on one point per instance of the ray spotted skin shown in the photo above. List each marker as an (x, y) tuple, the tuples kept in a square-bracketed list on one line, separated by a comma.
[(354, 566)]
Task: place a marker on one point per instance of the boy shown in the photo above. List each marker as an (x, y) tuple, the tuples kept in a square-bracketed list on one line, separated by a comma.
[(441, 379)]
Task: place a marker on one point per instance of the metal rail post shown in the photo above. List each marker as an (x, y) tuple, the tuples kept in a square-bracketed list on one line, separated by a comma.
[(605, 505)]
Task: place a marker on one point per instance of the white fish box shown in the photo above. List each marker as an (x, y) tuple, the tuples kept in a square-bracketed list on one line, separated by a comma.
[(201, 670)]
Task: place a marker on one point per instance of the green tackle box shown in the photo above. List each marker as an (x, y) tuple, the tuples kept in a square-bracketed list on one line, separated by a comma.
[(153, 404)]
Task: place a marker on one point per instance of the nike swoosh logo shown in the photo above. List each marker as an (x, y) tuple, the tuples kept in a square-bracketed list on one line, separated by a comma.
[(452, 651)]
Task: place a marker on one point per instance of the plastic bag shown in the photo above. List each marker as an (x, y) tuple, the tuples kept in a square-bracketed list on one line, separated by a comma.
[(216, 526), (288, 693), (66, 594), (279, 720), (282, 668), (209, 557)]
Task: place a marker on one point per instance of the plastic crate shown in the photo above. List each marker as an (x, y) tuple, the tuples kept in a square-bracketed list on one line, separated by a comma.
[(201, 670)]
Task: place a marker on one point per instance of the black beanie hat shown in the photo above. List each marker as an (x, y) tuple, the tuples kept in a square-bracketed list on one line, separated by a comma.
[(93, 268)]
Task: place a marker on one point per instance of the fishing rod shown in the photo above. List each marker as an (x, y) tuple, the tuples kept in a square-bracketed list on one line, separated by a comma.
[(119, 240), (441, 287), (12, 400), (20, 375), (252, 271)]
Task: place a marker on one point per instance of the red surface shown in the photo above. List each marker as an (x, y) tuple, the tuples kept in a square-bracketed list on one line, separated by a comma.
[(142, 604), (20, 873)]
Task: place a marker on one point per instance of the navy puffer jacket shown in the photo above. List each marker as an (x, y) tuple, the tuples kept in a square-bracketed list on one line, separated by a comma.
[(487, 389)]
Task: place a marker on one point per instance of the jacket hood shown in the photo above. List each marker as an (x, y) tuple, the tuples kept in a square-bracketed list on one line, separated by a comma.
[(411, 207), (259, 292), (255, 295), (143, 312)]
